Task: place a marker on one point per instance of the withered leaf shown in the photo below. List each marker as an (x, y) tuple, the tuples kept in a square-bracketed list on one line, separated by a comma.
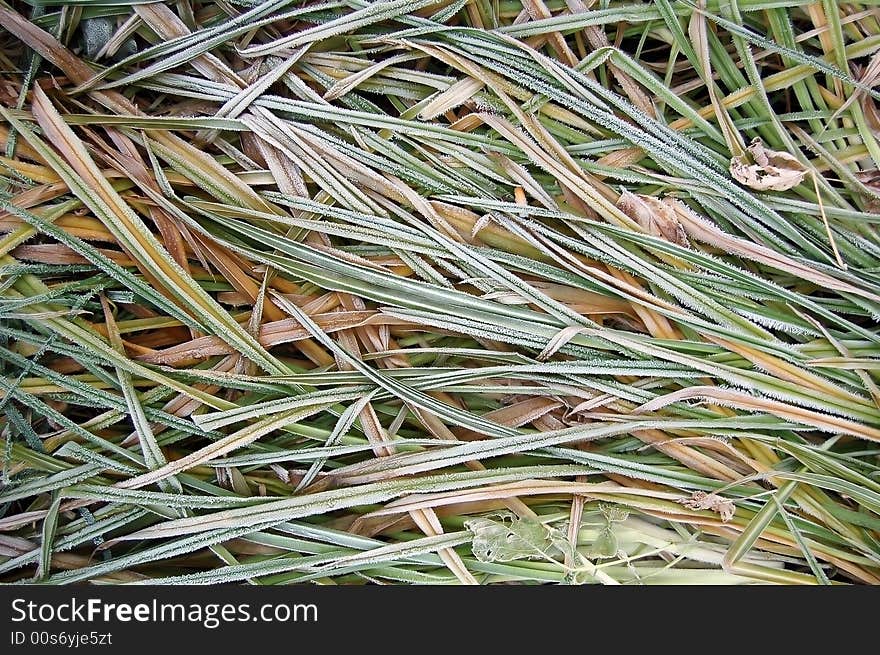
[(657, 217), (871, 180), (767, 170), (712, 502)]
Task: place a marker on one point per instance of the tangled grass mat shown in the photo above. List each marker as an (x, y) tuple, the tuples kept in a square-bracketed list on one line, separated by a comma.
[(439, 292)]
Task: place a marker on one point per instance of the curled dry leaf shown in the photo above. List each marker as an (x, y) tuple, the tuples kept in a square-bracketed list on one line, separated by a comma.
[(767, 170), (872, 113), (655, 216), (871, 180), (712, 502)]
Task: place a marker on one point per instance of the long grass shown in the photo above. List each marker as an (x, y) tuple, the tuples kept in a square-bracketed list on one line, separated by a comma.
[(440, 292)]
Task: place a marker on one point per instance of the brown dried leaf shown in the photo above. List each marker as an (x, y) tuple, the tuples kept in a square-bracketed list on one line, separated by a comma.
[(872, 115), (655, 216), (767, 170), (871, 179)]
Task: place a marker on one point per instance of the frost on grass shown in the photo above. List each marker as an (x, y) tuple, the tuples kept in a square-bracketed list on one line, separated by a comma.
[(386, 266)]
